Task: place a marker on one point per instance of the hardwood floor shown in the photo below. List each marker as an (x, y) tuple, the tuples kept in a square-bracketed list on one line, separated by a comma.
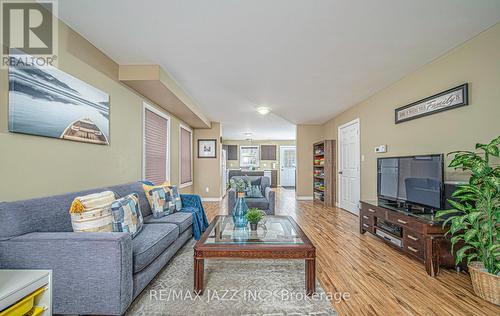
[(380, 280)]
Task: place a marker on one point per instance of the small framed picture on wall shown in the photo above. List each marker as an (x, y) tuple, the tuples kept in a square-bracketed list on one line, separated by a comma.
[(207, 148)]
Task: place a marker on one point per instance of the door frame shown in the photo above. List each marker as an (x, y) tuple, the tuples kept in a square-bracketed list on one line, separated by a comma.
[(288, 146), (355, 121)]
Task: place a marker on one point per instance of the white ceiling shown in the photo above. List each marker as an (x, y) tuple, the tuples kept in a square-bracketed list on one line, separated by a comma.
[(307, 60)]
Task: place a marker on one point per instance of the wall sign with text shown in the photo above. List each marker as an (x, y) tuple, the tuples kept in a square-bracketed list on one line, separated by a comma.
[(443, 101)]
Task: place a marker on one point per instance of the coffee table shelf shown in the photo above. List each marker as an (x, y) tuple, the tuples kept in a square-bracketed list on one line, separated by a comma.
[(278, 238)]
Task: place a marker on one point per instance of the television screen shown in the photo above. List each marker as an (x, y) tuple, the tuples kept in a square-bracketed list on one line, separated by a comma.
[(416, 179)]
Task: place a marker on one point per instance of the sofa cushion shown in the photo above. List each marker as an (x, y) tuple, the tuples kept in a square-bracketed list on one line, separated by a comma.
[(127, 215), (253, 192), (92, 212), (123, 190), (152, 242), (162, 202), (147, 188), (181, 219), (260, 203)]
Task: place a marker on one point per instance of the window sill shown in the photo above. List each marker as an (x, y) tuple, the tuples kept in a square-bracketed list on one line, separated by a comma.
[(185, 185)]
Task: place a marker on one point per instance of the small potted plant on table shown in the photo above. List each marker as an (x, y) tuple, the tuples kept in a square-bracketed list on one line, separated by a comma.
[(475, 219), (254, 216)]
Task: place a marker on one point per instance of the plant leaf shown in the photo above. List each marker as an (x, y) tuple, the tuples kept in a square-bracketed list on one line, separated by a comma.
[(473, 216), (446, 212), (461, 254), (470, 257), (493, 150), (495, 142), (469, 234), (457, 206)]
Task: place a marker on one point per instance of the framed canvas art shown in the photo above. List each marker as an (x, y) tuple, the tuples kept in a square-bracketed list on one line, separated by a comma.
[(48, 102), (207, 148)]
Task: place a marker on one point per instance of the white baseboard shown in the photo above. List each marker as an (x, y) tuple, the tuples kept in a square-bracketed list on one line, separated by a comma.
[(337, 204), (304, 198), (211, 199)]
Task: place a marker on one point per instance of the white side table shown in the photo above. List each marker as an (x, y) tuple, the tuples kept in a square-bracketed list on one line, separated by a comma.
[(17, 284)]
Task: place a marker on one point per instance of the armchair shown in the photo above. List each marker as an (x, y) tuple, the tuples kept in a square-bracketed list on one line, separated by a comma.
[(266, 203)]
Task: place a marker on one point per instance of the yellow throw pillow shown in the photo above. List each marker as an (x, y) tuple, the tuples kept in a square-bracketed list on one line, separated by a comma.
[(165, 185), (92, 213)]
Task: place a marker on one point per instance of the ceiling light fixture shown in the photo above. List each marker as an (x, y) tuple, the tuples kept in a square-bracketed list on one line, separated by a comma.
[(263, 110)]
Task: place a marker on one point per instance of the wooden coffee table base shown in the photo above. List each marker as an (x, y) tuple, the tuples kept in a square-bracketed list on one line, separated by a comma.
[(302, 249), (309, 256)]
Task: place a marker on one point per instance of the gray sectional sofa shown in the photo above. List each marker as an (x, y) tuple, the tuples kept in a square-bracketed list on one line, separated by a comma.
[(93, 273), (265, 203)]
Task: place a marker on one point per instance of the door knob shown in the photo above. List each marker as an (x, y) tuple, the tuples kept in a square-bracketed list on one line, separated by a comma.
[(340, 172)]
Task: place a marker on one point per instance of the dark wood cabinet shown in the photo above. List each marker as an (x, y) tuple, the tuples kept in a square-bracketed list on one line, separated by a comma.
[(419, 236), (232, 152), (267, 152)]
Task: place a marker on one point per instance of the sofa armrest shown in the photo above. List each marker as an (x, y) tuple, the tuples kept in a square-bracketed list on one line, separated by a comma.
[(231, 200), (92, 272), (271, 198)]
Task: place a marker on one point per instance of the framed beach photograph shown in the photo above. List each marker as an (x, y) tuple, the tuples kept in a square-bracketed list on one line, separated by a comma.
[(207, 148), (48, 102)]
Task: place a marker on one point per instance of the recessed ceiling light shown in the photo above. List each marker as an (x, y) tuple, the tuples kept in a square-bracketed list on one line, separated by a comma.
[(263, 110)]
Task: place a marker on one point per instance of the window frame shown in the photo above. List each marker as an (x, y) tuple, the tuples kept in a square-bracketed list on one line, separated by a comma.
[(186, 128), (257, 156), (148, 107)]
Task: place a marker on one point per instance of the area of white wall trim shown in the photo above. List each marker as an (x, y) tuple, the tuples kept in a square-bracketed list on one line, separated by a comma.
[(149, 107), (304, 198), (355, 121), (190, 183), (211, 199)]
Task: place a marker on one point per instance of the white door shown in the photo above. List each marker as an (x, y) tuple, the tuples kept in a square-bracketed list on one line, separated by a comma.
[(287, 166), (349, 175)]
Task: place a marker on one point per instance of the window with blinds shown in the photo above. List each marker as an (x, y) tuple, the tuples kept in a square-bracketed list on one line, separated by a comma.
[(186, 164), (155, 147)]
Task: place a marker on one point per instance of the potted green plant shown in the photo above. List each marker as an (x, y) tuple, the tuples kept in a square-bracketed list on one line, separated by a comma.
[(475, 219), (254, 216)]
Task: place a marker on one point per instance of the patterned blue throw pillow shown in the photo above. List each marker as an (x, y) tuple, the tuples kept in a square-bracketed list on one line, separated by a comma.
[(253, 191), (176, 198), (162, 202), (127, 215)]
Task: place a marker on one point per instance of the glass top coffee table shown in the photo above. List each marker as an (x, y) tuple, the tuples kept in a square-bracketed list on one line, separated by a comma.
[(277, 237)]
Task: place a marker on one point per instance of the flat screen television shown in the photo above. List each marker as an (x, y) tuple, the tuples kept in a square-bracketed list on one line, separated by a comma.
[(414, 180)]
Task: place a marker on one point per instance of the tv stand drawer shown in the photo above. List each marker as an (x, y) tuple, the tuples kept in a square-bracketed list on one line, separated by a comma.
[(372, 211), (414, 250), (405, 221)]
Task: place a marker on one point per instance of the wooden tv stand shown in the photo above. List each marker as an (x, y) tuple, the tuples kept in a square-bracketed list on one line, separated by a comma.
[(422, 237)]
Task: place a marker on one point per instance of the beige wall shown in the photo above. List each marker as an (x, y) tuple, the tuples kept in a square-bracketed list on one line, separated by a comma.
[(307, 135), (476, 62), (207, 171), (32, 166)]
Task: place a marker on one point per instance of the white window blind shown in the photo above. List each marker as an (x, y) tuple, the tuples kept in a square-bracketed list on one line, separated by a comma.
[(155, 147), (186, 147)]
